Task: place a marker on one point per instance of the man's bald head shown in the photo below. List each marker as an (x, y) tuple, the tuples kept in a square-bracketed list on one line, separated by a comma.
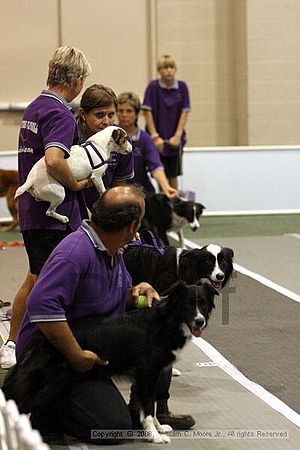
[(118, 207)]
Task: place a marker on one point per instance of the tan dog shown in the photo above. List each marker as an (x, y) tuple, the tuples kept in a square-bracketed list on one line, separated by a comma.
[(8, 187)]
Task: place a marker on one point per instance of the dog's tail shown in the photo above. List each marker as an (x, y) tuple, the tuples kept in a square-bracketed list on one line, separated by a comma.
[(23, 188)]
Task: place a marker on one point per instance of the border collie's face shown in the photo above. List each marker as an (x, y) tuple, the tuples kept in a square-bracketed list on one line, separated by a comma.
[(191, 305), (190, 211), (212, 263), (219, 264)]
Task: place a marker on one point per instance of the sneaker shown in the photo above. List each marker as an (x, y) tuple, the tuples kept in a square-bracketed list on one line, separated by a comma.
[(8, 355), (180, 422)]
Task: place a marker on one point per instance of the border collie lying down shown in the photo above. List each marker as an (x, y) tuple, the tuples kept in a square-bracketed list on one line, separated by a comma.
[(138, 344), (162, 267), (162, 215)]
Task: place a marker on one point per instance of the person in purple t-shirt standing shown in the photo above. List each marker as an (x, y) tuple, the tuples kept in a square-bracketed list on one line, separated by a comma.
[(166, 106), (48, 129), (98, 107), (146, 157)]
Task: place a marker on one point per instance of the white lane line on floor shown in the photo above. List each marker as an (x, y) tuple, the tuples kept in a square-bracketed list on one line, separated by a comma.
[(255, 388), (294, 235), (266, 282), (261, 279)]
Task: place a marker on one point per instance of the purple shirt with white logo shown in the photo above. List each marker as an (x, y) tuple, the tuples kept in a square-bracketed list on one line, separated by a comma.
[(80, 279), (166, 105), (146, 159), (47, 122)]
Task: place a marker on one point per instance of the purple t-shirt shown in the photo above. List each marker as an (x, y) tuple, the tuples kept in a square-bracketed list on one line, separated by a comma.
[(47, 122), (166, 105), (80, 279), (146, 159)]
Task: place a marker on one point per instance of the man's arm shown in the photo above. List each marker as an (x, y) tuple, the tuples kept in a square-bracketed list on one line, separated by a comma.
[(59, 169), (60, 335)]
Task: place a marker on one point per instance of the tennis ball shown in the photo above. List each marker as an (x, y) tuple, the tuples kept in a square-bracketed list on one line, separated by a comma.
[(141, 302)]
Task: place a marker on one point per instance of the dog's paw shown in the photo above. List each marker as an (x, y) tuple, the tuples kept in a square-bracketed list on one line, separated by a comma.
[(159, 439), (164, 429)]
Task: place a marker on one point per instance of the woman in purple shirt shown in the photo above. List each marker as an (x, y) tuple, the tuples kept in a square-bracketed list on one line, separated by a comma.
[(48, 129), (98, 107), (146, 156)]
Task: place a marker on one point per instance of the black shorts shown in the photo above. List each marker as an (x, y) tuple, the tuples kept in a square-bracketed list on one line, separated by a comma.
[(172, 165), (39, 244)]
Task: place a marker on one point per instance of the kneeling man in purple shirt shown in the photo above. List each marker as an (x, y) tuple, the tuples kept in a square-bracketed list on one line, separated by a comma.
[(86, 276)]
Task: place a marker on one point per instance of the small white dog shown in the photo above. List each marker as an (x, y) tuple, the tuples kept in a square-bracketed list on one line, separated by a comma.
[(89, 159)]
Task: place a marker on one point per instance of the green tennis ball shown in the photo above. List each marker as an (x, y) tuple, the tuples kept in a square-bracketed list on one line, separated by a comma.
[(141, 302)]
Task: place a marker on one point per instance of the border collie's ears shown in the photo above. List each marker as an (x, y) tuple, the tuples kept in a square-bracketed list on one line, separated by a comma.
[(175, 287), (228, 252)]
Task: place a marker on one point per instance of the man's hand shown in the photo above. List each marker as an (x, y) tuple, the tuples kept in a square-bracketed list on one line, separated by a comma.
[(147, 290), (85, 360)]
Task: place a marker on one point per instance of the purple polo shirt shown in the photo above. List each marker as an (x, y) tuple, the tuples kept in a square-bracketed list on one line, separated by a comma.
[(146, 159), (166, 105), (47, 122), (121, 170), (79, 279)]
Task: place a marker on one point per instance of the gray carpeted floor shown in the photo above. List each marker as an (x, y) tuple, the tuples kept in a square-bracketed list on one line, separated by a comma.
[(255, 328)]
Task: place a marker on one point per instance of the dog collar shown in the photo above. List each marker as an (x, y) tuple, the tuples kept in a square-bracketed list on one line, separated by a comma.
[(88, 146)]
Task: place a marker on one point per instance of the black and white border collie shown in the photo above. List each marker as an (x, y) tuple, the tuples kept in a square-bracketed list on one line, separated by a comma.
[(162, 267), (138, 344), (163, 215)]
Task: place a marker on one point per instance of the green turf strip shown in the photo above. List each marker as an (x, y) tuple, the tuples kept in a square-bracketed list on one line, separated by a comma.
[(239, 226)]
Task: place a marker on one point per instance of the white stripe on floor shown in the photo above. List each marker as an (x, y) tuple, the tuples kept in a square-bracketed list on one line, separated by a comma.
[(266, 282), (261, 279), (229, 368), (294, 235), (255, 388)]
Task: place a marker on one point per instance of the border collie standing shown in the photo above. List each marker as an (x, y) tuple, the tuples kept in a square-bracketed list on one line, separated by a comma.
[(139, 343), (163, 215)]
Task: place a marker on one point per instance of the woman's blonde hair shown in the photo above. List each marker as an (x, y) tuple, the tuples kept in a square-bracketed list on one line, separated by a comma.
[(66, 65), (165, 61)]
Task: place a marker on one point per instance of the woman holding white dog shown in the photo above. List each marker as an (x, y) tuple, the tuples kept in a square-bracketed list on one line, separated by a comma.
[(48, 129), (98, 108)]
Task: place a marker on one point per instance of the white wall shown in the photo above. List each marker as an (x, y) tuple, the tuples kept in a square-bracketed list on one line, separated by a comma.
[(244, 179), (231, 180)]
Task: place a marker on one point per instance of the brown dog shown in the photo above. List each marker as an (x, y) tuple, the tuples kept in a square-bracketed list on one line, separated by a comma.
[(8, 187)]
